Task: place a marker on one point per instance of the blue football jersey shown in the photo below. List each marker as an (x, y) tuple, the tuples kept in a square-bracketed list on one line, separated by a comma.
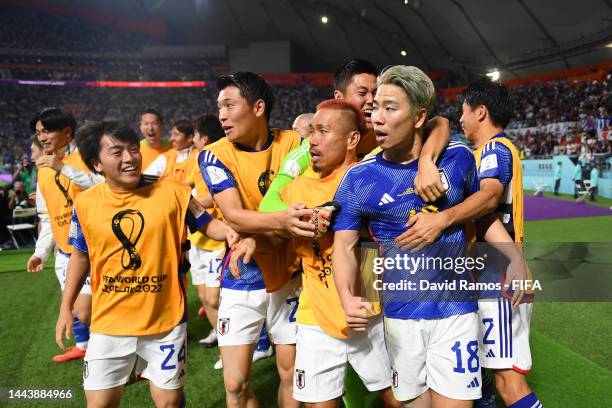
[(380, 195), (496, 162), (219, 178)]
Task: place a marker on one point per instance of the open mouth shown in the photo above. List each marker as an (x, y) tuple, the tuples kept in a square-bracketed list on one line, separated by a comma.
[(314, 155), (380, 136), (129, 169)]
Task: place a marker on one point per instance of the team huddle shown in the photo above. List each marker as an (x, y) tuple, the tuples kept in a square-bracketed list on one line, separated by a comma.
[(273, 225)]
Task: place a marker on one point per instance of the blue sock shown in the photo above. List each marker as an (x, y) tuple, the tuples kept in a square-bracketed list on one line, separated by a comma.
[(81, 333), (264, 340), (528, 401)]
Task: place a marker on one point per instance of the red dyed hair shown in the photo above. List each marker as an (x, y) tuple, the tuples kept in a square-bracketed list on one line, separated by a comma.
[(343, 105)]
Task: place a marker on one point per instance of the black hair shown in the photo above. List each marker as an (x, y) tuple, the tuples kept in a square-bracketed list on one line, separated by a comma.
[(88, 139), (251, 86), (494, 96), (345, 73), (209, 125), (153, 112), (54, 119), (184, 126)]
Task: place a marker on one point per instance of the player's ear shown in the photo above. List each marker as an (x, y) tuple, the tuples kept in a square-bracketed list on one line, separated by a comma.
[(482, 112), (259, 107), (338, 94), (98, 166), (67, 132), (353, 140), (421, 116)]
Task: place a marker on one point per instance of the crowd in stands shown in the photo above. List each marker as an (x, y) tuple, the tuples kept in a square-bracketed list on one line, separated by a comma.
[(552, 118), (36, 30), (107, 69), (555, 118)]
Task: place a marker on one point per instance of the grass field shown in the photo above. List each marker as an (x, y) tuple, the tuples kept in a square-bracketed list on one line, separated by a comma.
[(571, 342)]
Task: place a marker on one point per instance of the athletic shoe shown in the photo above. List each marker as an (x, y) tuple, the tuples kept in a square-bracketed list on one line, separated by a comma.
[(202, 312), (74, 353), (218, 365), (210, 340), (261, 354)]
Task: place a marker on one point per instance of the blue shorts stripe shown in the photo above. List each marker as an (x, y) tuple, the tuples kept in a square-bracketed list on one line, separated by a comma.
[(499, 325), (510, 326)]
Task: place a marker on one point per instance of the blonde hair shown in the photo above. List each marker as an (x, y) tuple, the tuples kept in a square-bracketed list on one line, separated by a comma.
[(416, 84)]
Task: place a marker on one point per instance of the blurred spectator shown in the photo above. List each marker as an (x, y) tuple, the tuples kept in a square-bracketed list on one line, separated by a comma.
[(594, 186), (17, 197), (24, 173), (578, 186), (557, 176)]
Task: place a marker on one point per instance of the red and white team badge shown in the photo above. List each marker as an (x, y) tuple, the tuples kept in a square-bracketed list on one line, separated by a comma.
[(223, 326), (394, 379), (300, 379)]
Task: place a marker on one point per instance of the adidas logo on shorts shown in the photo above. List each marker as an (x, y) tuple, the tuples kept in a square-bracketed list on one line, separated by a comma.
[(490, 354), (474, 383)]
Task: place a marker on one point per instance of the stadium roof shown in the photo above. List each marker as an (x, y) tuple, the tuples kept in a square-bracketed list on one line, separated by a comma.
[(518, 37)]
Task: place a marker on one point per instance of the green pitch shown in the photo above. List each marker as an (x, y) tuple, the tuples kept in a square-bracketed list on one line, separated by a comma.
[(570, 341)]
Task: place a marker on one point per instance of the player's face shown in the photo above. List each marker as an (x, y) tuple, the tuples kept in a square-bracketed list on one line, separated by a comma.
[(328, 140), (120, 162), (469, 121), (179, 140), (151, 128), (360, 92), (392, 117), (301, 126), (36, 152), (52, 141), (199, 141), (238, 118)]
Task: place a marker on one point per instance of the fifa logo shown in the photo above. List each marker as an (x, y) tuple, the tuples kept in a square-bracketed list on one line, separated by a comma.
[(127, 225), (64, 190), (264, 181)]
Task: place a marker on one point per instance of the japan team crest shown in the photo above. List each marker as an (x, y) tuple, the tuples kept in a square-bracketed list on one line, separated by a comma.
[(300, 378), (223, 326)]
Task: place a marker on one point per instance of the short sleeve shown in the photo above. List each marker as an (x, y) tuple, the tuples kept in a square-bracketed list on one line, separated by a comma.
[(349, 215), (215, 174), (76, 237), (496, 162)]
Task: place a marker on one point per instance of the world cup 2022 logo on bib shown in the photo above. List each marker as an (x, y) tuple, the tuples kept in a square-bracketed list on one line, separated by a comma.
[(64, 190), (127, 226), (264, 181)]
